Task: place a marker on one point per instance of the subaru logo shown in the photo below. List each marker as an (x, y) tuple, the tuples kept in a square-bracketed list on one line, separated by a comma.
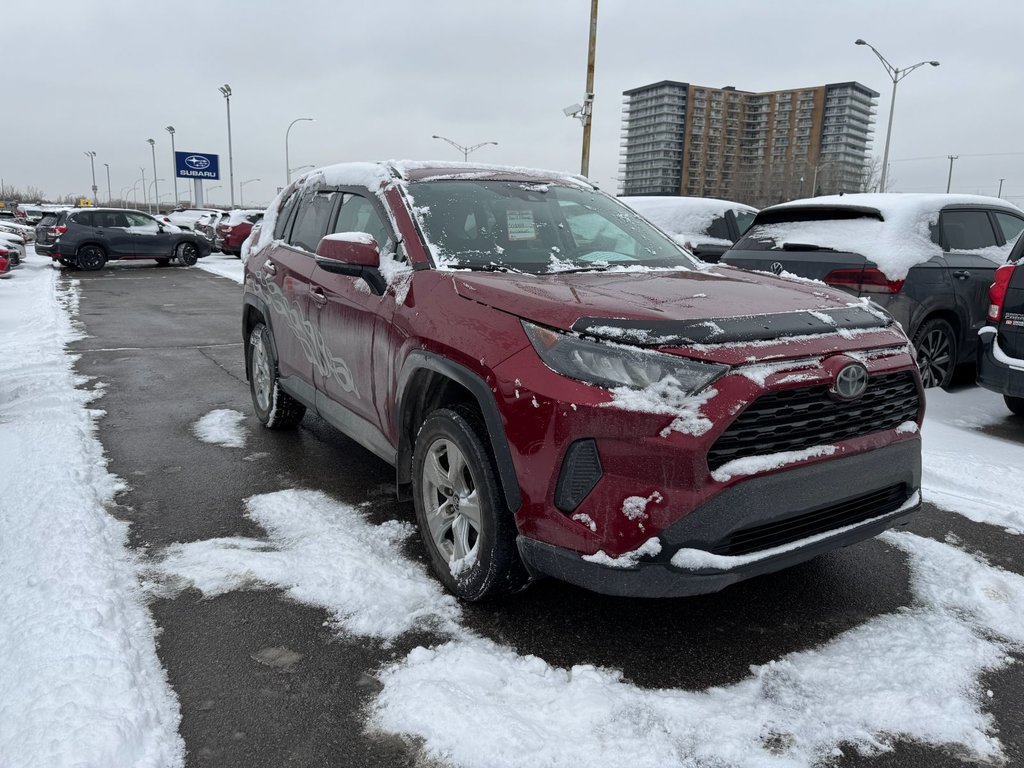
[(197, 162), (776, 267), (851, 382)]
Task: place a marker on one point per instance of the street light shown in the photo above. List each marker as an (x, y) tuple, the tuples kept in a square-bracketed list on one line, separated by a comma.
[(92, 164), (895, 74), (465, 150), (300, 167), (145, 200), (210, 190), (174, 163), (156, 188), (241, 188), (288, 170), (226, 92), (153, 189), (123, 194), (109, 196)]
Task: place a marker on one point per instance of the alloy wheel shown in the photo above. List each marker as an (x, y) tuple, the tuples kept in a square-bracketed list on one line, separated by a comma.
[(261, 374), (935, 358), (451, 501)]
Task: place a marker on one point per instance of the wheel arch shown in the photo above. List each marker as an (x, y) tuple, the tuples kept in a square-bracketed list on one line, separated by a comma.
[(429, 381), (97, 243), (951, 316)]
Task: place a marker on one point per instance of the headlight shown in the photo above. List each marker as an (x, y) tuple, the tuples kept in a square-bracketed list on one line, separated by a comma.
[(612, 365)]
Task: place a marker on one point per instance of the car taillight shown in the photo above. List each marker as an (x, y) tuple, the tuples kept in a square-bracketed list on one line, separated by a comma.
[(997, 292), (863, 281), (58, 231)]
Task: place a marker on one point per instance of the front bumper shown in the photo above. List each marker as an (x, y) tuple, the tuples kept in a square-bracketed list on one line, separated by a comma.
[(774, 498), (995, 371)]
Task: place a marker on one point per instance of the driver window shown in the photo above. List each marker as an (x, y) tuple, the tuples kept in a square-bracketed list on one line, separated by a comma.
[(357, 214)]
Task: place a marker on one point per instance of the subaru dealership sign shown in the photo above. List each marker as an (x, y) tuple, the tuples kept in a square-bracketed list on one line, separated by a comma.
[(196, 165)]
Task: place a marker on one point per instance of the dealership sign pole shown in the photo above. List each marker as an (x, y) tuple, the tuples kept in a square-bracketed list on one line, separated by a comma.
[(197, 166)]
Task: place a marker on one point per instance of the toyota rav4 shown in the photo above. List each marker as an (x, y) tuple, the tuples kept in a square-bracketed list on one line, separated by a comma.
[(565, 391)]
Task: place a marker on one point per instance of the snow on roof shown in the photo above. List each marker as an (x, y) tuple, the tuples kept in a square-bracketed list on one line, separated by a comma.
[(684, 217), (413, 170), (901, 239)]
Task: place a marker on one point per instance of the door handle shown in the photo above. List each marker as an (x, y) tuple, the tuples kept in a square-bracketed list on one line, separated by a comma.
[(318, 297), (961, 274), (269, 268)]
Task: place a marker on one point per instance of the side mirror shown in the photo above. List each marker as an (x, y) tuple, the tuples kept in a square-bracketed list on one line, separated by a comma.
[(356, 249), (354, 254)]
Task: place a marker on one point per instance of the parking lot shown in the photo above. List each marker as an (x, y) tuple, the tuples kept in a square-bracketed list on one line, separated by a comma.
[(297, 622)]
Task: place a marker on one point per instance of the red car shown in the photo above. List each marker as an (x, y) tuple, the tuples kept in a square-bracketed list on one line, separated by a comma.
[(234, 228), (564, 391), (5, 264)]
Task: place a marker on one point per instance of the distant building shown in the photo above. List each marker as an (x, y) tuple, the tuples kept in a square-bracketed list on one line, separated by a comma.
[(757, 148)]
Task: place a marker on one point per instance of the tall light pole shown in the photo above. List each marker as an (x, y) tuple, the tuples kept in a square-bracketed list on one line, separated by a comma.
[(174, 164), (92, 164), (226, 92), (465, 150), (156, 188), (1000, 192), (949, 179), (109, 196), (145, 199), (287, 163), (895, 74), (241, 187)]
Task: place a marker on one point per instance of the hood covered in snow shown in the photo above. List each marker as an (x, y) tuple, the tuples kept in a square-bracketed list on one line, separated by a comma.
[(668, 306)]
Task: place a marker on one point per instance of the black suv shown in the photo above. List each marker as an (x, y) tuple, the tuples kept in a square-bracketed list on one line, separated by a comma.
[(1001, 341), (89, 238)]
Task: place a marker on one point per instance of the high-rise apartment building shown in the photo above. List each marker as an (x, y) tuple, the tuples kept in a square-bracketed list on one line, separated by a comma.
[(757, 148)]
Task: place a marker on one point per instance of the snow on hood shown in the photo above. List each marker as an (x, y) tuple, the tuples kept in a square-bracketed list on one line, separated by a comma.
[(685, 218), (898, 241)]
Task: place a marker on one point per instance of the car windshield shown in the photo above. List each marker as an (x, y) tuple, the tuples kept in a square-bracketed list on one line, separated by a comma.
[(536, 228)]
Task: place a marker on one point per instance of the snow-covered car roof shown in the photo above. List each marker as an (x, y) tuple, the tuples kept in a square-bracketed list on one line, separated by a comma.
[(893, 229), (685, 218), (238, 216)]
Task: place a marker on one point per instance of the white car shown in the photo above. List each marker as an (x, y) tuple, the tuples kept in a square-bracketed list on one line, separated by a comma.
[(705, 226), (187, 219), (12, 227)]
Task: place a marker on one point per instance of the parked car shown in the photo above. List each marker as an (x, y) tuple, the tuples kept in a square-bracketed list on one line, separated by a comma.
[(88, 238), (633, 421), (234, 228), (705, 226), (206, 226), (928, 259), (12, 227), (186, 219), (5, 263), (15, 247), (1001, 340)]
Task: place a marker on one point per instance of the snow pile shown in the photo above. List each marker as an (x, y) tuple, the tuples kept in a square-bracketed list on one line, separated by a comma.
[(911, 674), (753, 465), (896, 244), (685, 218), (223, 266), (322, 553), (80, 681), (649, 548), (221, 427), (667, 397)]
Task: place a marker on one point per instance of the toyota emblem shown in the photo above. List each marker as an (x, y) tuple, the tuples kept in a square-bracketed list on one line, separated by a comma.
[(851, 382), (776, 267)]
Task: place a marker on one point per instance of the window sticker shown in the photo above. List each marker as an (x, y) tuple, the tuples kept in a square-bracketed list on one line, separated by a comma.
[(521, 225)]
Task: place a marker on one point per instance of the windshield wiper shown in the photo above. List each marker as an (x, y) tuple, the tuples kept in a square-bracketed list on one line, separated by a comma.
[(491, 268), (576, 269), (805, 247)]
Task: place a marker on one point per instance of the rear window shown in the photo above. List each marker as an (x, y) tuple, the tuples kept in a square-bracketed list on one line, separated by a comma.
[(48, 220)]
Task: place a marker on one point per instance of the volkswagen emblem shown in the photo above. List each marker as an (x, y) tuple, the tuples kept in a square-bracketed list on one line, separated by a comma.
[(197, 162), (851, 382), (776, 267)]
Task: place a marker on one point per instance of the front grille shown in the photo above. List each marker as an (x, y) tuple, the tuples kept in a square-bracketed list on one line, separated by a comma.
[(780, 532), (794, 419)]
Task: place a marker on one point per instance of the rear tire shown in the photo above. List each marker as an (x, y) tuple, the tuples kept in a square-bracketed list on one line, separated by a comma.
[(91, 258), (935, 343), (187, 253), (466, 526), (1015, 404), (274, 407)]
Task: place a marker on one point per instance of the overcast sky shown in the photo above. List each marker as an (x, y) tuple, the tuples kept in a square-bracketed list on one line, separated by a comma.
[(382, 77)]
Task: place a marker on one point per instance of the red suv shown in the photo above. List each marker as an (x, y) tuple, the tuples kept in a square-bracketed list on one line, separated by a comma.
[(564, 391), (234, 228)]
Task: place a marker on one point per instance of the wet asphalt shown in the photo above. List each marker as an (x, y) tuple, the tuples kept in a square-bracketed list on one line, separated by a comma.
[(166, 344)]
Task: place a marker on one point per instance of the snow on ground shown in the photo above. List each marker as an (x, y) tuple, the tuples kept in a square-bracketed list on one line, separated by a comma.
[(80, 681), (978, 475), (322, 553), (221, 264), (222, 427)]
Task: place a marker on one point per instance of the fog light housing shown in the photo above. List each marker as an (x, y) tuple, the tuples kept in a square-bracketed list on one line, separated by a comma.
[(581, 471)]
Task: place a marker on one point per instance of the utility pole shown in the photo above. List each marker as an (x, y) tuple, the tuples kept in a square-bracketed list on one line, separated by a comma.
[(1000, 192), (588, 101), (949, 179)]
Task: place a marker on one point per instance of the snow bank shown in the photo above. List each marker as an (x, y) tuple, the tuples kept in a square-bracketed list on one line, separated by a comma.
[(80, 681), (221, 427), (913, 674), (322, 553)]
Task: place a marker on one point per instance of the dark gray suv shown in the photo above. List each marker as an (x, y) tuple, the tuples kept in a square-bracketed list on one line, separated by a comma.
[(88, 238), (928, 259)]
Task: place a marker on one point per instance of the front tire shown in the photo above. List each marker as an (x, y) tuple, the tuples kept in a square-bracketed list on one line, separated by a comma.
[(274, 407), (91, 258), (1015, 404), (187, 253), (466, 526), (935, 342)]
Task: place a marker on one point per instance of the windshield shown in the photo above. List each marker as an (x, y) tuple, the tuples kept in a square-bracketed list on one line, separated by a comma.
[(537, 228)]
